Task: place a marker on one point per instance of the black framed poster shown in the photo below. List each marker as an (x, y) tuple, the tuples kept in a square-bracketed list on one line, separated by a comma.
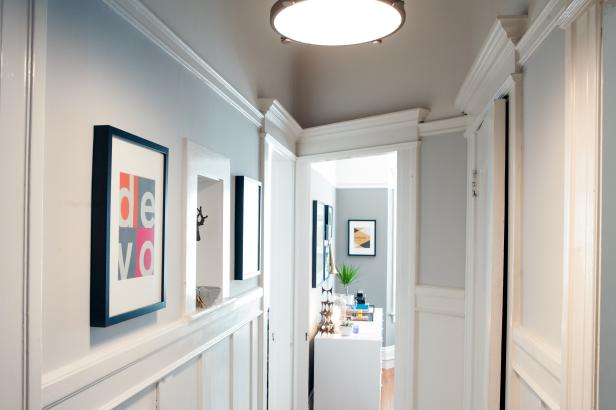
[(318, 243), (248, 199), (362, 237), (127, 262)]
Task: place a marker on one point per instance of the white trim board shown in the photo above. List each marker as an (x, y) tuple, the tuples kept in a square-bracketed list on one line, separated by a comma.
[(496, 61), (443, 127), (375, 131), (439, 300), (61, 384), (279, 124), (140, 17)]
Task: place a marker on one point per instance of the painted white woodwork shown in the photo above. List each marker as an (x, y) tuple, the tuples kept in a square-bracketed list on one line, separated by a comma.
[(543, 24), (144, 400), (23, 46), (582, 206), (495, 62), (279, 247), (279, 124), (348, 368), (379, 130), (443, 127), (140, 17), (216, 390), (485, 281), (439, 357), (439, 300), (180, 389), (207, 177), (115, 374), (241, 368), (406, 275), (440, 361)]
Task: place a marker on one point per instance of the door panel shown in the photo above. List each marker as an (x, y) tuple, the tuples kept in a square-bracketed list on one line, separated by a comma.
[(281, 256), (488, 213)]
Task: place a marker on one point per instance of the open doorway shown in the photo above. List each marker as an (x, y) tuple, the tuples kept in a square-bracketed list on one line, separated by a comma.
[(357, 198)]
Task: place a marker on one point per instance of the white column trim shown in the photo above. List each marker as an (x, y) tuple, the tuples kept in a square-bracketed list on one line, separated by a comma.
[(582, 209)]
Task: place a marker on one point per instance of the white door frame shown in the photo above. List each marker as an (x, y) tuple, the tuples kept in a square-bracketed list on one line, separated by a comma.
[(406, 271), (269, 147)]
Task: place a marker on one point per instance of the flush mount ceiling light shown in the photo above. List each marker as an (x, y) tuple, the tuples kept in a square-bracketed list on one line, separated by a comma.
[(337, 22)]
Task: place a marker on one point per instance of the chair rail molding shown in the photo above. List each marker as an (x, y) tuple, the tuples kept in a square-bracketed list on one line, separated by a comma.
[(147, 358), (140, 17), (495, 62), (375, 131)]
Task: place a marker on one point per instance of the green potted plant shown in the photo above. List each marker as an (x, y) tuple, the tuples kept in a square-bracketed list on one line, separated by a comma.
[(346, 327), (347, 275)]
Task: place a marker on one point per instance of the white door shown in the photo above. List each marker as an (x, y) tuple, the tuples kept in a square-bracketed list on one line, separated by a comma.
[(280, 249), (487, 205)]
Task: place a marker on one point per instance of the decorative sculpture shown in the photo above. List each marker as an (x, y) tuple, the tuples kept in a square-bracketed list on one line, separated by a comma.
[(200, 221)]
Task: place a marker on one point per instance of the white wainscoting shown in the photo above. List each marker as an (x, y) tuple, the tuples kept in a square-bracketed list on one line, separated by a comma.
[(204, 362), (439, 356)]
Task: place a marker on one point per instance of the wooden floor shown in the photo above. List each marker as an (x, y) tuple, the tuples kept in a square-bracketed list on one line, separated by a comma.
[(387, 389)]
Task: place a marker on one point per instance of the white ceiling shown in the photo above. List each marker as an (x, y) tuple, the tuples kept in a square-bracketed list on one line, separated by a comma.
[(423, 65)]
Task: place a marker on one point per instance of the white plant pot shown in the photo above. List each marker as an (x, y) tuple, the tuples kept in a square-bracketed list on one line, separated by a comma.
[(350, 299), (346, 330)]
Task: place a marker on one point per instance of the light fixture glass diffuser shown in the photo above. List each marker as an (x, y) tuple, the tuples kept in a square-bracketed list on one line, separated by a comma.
[(337, 22)]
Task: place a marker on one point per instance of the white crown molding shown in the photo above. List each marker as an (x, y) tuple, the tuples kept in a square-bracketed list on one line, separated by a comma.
[(140, 17), (541, 27), (279, 124), (387, 129), (496, 61), (443, 127)]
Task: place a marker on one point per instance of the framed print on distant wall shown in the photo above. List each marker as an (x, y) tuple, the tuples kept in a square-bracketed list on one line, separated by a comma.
[(127, 248), (248, 198), (318, 243), (362, 237), (329, 237)]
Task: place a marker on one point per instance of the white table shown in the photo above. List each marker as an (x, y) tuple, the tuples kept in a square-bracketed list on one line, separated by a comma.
[(347, 369)]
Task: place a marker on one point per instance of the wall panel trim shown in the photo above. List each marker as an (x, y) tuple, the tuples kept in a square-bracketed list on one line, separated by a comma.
[(74, 378)]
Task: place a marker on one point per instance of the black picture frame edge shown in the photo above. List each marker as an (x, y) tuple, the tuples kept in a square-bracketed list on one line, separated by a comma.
[(349, 235), (101, 206), (238, 265), (315, 281)]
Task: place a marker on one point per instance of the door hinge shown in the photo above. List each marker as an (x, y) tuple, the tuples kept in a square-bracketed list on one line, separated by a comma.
[(475, 184)]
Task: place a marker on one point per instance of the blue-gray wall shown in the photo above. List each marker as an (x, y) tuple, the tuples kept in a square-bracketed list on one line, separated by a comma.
[(366, 203)]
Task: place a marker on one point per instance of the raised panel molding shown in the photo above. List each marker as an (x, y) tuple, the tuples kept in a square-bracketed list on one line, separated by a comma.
[(440, 300), (126, 368), (140, 17)]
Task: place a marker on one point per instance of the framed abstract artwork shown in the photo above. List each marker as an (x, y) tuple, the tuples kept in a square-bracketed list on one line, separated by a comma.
[(318, 243), (329, 238), (362, 237), (248, 199), (127, 247)]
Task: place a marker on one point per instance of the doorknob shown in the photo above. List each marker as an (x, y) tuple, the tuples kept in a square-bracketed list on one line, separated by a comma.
[(273, 337)]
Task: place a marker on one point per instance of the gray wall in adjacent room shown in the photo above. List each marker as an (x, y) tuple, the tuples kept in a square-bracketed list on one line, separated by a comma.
[(442, 211), (365, 203)]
